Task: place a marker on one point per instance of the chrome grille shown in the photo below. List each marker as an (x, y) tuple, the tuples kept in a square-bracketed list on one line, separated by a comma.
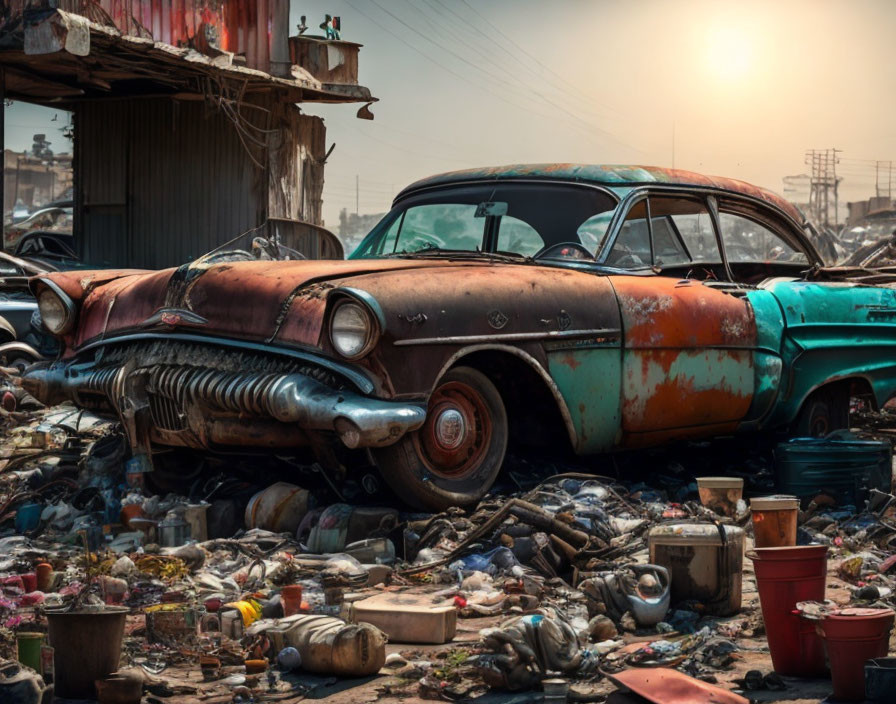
[(166, 413)]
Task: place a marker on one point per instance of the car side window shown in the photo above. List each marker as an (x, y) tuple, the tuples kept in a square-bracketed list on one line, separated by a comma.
[(686, 221), (746, 240), (667, 248), (517, 236), (632, 246)]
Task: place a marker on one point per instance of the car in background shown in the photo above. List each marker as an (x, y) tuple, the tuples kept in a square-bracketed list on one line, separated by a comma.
[(56, 219), (596, 308), (23, 339)]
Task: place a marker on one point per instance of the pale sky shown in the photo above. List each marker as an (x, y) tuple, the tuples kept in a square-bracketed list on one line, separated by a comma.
[(745, 88)]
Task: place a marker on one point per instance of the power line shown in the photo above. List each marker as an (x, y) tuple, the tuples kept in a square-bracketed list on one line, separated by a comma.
[(466, 79), (450, 51), (523, 51), (575, 120), (575, 93)]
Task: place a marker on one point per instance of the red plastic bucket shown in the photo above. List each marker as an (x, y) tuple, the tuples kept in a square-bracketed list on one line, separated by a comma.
[(853, 636), (785, 576)]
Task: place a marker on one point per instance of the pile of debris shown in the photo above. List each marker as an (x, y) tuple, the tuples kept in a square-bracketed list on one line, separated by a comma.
[(567, 588)]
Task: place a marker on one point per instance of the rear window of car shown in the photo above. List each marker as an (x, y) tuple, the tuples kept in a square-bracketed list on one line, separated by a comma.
[(746, 240)]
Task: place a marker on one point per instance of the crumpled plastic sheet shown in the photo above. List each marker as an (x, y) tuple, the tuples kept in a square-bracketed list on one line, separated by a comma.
[(525, 648)]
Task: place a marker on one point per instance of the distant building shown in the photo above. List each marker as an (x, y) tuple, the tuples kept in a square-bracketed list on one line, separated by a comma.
[(860, 210), (187, 125), (353, 227), (34, 182)]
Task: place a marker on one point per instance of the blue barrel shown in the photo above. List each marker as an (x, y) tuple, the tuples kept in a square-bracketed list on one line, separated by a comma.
[(840, 464)]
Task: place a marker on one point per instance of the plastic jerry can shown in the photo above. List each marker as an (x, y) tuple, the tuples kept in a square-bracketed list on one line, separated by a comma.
[(705, 562)]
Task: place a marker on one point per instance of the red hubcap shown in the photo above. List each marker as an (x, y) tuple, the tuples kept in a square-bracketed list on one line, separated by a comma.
[(456, 436)]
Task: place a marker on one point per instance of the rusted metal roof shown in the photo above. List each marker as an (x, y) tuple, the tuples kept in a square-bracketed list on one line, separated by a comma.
[(59, 55), (238, 26), (610, 175)]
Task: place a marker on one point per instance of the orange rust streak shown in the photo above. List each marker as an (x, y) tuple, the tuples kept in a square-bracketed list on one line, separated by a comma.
[(672, 404), (660, 312)]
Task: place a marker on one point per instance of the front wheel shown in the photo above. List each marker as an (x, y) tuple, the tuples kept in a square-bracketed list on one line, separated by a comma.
[(455, 457)]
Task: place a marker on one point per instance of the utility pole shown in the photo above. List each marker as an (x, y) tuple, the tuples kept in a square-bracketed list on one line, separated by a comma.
[(834, 161), (823, 185), (357, 193)]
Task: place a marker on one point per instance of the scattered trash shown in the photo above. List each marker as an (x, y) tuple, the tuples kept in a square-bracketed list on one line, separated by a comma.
[(565, 577), (525, 649)]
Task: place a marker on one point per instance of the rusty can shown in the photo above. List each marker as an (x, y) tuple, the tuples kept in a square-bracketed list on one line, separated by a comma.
[(774, 521)]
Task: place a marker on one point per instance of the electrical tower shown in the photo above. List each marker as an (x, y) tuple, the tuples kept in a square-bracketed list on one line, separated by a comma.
[(823, 185)]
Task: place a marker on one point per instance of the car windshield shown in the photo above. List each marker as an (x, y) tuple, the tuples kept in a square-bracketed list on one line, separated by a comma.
[(515, 219)]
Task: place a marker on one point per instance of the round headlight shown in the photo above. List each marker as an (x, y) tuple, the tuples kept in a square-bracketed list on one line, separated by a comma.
[(351, 330), (56, 313)]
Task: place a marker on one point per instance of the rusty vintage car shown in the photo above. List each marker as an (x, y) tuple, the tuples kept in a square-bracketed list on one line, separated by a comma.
[(604, 307)]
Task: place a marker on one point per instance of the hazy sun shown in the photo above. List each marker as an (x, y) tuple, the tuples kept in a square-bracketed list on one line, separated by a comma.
[(729, 53)]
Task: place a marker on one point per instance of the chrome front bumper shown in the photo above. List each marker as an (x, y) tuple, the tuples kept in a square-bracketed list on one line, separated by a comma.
[(173, 394)]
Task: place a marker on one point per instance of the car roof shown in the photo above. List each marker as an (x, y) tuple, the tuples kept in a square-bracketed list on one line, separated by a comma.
[(610, 175)]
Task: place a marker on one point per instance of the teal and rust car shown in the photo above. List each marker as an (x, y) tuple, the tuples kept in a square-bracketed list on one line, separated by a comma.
[(601, 307)]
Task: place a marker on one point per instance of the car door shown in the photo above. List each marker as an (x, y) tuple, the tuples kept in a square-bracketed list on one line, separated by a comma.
[(688, 347)]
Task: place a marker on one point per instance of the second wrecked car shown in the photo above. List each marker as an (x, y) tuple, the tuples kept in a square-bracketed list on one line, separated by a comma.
[(604, 307)]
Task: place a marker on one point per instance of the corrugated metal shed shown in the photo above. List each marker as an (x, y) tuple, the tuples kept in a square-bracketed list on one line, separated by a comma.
[(163, 182)]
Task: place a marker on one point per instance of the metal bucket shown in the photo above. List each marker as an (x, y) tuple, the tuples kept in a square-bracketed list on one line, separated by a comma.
[(87, 647)]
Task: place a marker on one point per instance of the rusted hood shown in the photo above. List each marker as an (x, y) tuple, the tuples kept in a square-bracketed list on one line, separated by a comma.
[(245, 300)]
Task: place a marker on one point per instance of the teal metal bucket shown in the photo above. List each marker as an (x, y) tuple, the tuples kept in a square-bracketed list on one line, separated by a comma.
[(840, 464)]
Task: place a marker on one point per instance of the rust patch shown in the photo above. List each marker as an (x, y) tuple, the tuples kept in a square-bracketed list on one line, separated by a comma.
[(570, 361), (658, 313)]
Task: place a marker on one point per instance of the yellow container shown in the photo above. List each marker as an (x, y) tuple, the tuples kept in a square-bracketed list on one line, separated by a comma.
[(248, 608)]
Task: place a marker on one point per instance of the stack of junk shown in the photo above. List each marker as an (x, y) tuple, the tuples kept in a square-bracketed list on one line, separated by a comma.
[(200, 584)]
